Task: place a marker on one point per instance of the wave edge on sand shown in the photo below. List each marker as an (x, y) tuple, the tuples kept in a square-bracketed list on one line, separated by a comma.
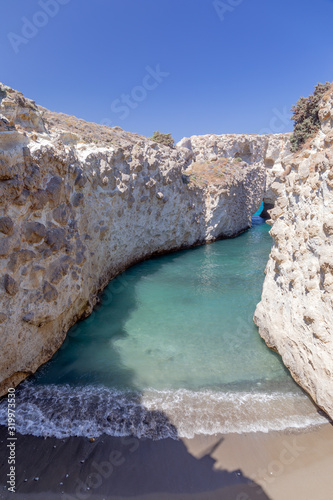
[(62, 411)]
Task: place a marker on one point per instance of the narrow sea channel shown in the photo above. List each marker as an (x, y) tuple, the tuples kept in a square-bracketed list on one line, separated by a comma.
[(172, 351)]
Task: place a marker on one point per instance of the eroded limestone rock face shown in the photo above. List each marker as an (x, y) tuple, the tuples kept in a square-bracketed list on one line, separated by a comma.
[(295, 315), (80, 203), (271, 152)]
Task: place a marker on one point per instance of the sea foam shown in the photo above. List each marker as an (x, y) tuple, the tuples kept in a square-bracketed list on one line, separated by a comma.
[(62, 411)]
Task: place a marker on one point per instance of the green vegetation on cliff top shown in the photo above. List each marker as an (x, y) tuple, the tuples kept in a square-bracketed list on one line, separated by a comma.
[(306, 116)]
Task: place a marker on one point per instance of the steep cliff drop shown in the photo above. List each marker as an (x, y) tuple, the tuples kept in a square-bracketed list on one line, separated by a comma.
[(295, 315)]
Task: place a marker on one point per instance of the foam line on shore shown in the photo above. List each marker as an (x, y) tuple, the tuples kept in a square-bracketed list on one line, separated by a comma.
[(63, 411)]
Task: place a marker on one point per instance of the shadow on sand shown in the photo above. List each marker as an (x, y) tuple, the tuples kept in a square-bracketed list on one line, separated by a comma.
[(113, 468)]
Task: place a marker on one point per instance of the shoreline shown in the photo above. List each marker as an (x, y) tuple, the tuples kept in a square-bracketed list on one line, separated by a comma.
[(275, 466)]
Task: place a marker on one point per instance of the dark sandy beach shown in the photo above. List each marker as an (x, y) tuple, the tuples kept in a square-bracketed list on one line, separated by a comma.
[(278, 466)]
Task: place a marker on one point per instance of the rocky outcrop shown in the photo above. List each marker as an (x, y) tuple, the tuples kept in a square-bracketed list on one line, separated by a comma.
[(79, 204), (295, 315), (270, 152)]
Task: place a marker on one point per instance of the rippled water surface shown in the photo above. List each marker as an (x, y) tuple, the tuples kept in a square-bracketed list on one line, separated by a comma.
[(171, 351)]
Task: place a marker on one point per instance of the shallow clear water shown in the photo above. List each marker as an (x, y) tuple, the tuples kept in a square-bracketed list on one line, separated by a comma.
[(180, 321), (171, 351)]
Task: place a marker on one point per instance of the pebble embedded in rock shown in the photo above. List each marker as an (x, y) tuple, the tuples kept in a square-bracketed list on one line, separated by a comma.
[(6, 225), (10, 284)]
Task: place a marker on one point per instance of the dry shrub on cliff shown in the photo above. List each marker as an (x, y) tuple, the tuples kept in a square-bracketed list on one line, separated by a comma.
[(164, 139), (305, 115)]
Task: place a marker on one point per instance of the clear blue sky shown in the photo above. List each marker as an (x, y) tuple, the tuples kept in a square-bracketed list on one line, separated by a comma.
[(231, 71)]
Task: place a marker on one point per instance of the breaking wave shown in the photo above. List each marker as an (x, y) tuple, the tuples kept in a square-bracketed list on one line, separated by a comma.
[(62, 411)]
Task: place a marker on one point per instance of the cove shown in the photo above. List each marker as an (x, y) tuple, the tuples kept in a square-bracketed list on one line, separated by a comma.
[(171, 351), (181, 321)]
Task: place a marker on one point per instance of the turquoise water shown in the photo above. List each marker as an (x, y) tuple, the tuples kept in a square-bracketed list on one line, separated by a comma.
[(179, 321), (171, 351)]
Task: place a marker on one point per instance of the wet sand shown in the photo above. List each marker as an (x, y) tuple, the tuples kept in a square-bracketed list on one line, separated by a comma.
[(276, 466)]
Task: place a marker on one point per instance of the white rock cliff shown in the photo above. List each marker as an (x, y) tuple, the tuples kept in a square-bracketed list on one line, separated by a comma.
[(295, 315), (81, 202), (268, 151)]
